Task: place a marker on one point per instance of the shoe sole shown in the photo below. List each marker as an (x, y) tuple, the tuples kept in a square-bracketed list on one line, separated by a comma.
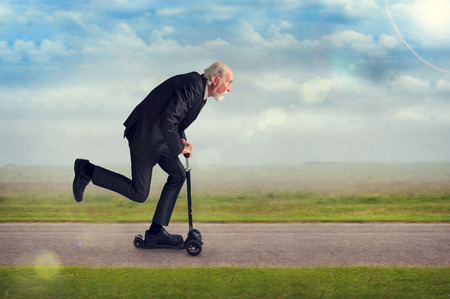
[(78, 173)]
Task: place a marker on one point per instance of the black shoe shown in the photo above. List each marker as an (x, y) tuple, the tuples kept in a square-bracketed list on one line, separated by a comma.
[(163, 238), (81, 180)]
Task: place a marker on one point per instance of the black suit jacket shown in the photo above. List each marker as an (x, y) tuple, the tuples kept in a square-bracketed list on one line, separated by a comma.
[(161, 118)]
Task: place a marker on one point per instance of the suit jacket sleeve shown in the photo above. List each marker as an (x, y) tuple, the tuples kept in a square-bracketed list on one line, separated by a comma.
[(170, 120)]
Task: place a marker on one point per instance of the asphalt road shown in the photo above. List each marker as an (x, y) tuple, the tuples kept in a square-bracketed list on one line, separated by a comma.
[(262, 245)]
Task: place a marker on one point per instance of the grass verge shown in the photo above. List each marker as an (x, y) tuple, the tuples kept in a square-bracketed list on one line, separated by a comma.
[(411, 192), (224, 282), (249, 207)]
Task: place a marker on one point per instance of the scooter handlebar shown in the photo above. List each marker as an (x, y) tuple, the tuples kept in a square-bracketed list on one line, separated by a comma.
[(187, 162)]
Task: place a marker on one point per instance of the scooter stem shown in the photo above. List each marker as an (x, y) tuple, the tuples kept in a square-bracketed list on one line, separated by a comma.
[(188, 169), (188, 185)]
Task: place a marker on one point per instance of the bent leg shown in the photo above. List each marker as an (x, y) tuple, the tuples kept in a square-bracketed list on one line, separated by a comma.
[(177, 175), (136, 189)]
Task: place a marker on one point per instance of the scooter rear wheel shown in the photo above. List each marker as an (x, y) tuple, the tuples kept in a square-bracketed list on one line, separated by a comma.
[(138, 241), (193, 247)]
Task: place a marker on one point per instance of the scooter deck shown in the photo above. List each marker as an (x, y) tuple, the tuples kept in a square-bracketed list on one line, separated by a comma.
[(140, 243), (163, 246)]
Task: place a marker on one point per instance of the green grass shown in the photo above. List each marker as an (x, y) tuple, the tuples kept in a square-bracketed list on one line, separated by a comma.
[(224, 282), (272, 207), (414, 192)]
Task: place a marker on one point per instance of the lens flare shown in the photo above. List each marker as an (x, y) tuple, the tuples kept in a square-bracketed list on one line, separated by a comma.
[(47, 265), (408, 46)]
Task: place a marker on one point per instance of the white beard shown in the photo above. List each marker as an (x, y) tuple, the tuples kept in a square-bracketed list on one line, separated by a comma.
[(218, 96)]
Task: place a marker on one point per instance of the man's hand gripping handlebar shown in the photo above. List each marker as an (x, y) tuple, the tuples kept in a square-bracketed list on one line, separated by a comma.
[(187, 151)]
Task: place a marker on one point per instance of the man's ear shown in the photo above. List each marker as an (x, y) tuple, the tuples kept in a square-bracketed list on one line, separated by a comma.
[(215, 80)]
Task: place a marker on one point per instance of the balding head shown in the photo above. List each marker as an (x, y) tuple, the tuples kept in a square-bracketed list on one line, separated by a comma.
[(219, 78), (217, 68)]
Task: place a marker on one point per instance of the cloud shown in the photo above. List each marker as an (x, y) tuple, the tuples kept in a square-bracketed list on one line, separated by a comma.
[(387, 41), (352, 8), (67, 19), (358, 42), (209, 14), (443, 86), (7, 55), (6, 13), (410, 84)]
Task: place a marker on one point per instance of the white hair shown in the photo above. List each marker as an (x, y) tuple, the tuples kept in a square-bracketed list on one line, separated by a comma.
[(217, 68)]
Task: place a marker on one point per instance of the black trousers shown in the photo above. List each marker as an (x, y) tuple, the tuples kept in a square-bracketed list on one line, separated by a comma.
[(138, 188)]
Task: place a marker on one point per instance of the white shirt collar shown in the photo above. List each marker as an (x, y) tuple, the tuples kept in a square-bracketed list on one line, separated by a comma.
[(206, 91)]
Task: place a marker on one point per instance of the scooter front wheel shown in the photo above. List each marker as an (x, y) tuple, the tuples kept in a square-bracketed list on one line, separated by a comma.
[(193, 247)]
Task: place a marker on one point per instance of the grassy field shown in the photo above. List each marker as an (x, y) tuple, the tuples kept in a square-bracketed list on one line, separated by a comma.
[(411, 192), (224, 282)]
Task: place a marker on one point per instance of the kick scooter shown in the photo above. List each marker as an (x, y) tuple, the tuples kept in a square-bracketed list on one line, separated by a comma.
[(193, 243)]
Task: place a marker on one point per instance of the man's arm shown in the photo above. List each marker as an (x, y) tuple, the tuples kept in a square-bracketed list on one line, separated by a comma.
[(183, 135), (169, 121)]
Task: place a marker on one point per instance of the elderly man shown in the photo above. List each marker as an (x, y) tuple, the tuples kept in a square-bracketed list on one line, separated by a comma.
[(155, 133)]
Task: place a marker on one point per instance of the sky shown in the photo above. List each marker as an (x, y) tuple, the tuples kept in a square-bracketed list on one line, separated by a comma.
[(343, 81)]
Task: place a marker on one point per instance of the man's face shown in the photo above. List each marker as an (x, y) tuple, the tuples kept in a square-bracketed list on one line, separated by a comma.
[(223, 86)]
